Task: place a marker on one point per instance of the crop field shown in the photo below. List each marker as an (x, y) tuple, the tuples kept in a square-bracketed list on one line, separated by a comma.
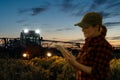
[(53, 68)]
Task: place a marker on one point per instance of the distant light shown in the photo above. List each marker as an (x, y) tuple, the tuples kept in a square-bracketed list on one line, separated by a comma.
[(37, 31), (49, 54), (26, 30), (24, 55)]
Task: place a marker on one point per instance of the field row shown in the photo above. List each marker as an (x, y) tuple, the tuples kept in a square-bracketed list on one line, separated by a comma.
[(54, 68)]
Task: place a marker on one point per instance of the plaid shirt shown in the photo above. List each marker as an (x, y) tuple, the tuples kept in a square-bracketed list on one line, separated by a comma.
[(96, 53)]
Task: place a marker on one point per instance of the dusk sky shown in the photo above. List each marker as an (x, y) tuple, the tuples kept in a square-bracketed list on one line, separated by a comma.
[(56, 18)]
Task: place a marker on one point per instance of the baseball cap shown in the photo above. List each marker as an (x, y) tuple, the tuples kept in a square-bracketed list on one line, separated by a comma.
[(89, 19)]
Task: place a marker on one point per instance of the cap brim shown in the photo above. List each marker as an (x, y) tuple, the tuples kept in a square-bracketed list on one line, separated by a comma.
[(82, 24), (77, 24)]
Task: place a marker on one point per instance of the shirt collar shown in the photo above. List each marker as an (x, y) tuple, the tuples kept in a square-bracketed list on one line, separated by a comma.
[(94, 39)]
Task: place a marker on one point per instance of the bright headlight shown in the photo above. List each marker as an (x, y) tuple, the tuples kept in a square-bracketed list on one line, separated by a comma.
[(26, 30), (37, 31), (25, 55), (49, 54)]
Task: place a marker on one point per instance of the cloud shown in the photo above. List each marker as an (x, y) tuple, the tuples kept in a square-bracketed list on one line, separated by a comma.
[(112, 23), (80, 7), (20, 11), (114, 4), (78, 40), (38, 10), (44, 5), (66, 5), (26, 25), (33, 11), (98, 2), (64, 29), (107, 8), (108, 38), (114, 38), (21, 21), (54, 38)]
